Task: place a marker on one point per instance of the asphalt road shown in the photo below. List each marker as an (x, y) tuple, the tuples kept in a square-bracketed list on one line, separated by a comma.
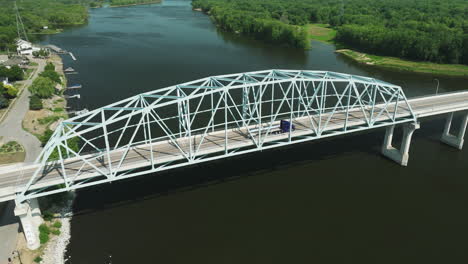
[(11, 127)]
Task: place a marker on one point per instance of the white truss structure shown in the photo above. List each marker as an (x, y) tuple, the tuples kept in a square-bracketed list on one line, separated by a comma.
[(211, 118)]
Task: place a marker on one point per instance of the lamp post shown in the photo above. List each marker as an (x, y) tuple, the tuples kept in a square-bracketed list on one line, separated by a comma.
[(437, 89)]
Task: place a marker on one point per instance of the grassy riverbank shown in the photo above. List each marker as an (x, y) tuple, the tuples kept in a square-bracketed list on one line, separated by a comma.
[(405, 65), (123, 3), (321, 32)]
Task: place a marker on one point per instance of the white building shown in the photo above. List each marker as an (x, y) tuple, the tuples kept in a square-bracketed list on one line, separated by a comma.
[(4, 80), (25, 48)]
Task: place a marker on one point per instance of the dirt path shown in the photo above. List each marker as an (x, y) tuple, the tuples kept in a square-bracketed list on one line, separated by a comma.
[(11, 127)]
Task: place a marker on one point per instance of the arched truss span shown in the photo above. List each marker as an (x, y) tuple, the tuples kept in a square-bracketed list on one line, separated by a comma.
[(209, 119)]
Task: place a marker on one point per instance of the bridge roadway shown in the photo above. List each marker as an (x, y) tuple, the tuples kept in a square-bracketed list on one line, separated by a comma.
[(13, 179)]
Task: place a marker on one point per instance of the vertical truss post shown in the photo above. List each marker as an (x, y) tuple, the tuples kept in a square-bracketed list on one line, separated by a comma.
[(180, 113), (272, 103), (348, 107), (212, 113), (106, 139), (62, 165), (188, 124), (396, 106), (66, 141), (225, 122), (321, 106), (373, 101), (150, 137), (292, 110), (260, 115)]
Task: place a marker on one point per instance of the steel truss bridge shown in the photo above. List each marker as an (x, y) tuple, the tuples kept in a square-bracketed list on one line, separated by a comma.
[(213, 118)]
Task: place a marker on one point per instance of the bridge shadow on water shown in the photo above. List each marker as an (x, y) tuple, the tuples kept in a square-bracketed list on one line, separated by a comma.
[(329, 201), (152, 186)]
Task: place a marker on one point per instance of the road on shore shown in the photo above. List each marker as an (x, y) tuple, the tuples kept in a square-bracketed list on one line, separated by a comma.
[(11, 127)]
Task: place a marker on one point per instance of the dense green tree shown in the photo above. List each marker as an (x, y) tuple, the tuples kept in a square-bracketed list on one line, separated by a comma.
[(36, 14), (49, 67), (15, 73), (3, 102), (10, 91), (46, 136), (429, 30), (35, 103), (42, 87), (53, 75)]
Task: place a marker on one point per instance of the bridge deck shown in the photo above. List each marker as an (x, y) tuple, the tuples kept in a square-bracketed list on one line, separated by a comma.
[(14, 179)]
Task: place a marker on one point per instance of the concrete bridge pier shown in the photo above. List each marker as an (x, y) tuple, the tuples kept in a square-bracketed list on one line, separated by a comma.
[(30, 217), (399, 156), (455, 141)]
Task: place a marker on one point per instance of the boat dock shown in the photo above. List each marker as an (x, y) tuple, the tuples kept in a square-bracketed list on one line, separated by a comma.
[(56, 49), (76, 86), (72, 56), (80, 112), (72, 96)]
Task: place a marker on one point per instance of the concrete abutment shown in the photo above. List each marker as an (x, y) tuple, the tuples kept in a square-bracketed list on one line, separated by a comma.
[(455, 141), (400, 156), (30, 217)]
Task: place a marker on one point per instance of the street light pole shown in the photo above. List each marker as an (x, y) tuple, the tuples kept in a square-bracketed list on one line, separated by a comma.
[(437, 89)]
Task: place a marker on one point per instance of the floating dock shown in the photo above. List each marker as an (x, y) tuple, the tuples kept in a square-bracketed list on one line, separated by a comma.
[(81, 112), (76, 86), (72, 56), (72, 96), (56, 49)]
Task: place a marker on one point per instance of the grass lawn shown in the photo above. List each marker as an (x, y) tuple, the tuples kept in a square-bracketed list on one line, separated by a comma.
[(11, 152), (406, 65), (321, 32)]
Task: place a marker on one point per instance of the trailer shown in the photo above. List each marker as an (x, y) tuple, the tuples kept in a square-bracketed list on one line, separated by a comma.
[(286, 126)]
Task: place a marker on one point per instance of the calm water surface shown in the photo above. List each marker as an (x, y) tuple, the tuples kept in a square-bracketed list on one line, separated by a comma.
[(333, 201)]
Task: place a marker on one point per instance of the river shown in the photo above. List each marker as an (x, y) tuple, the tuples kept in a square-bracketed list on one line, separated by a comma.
[(332, 201)]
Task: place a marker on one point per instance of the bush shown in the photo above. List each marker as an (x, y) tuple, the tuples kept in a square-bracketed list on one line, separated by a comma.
[(15, 73), (47, 216), (43, 228), (43, 238), (49, 67), (10, 91), (45, 137), (35, 103), (3, 102), (56, 232), (40, 53), (38, 259), (42, 87), (57, 224), (44, 232), (53, 75)]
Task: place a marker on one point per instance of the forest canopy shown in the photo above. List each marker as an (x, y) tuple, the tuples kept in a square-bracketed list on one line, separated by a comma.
[(427, 30), (37, 14)]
